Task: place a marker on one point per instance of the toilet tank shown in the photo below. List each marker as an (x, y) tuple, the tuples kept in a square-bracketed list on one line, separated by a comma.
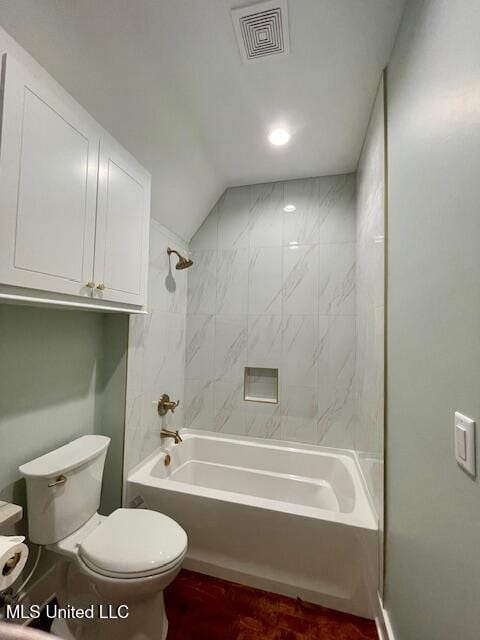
[(64, 487)]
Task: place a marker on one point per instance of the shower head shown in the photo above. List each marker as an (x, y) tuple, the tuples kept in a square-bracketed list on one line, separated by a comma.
[(183, 263)]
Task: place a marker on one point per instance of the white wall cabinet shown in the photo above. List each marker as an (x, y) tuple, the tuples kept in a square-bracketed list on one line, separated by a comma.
[(48, 186), (121, 247), (74, 205)]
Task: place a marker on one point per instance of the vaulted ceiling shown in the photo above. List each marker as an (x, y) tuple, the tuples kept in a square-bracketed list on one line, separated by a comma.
[(165, 77)]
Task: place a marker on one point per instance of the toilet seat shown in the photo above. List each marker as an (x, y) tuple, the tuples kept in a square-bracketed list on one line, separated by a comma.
[(134, 543)]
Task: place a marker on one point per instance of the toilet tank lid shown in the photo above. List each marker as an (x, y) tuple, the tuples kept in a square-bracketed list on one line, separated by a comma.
[(72, 455)]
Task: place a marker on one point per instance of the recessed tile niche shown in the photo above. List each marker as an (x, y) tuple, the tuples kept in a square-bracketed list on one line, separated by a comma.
[(261, 385)]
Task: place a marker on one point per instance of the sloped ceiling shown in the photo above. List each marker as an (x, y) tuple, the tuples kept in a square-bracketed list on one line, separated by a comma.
[(166, 79)]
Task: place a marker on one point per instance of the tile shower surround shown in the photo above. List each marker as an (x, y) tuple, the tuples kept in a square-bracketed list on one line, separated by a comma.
[(275, 289), (156, 353), (370, 273)]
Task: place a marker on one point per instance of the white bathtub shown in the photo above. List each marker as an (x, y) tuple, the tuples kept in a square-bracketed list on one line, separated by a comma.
[(294, 519)]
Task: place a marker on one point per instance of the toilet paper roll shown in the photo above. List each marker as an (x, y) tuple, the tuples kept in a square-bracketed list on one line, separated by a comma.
[(13, 557)]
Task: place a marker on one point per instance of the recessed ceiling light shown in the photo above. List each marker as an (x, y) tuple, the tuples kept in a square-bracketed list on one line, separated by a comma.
[(289, 208), (279, 137), (293, 244)]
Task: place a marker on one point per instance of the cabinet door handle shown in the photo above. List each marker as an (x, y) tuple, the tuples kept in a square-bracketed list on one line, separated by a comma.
[(101, 286), (90, 285)]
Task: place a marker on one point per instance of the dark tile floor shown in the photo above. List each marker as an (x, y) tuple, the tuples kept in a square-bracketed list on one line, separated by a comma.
[(203, 608)]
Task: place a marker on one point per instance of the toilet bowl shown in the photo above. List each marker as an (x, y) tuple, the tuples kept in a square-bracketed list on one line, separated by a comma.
[(120, 564), (115, 566)]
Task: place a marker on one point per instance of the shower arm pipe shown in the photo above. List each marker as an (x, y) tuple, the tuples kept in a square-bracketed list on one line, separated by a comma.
[(170, 251), (183, 263)]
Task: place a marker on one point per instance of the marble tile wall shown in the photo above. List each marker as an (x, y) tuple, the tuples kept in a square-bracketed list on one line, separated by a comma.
[(272, 288), (370, 271), (156, 354)]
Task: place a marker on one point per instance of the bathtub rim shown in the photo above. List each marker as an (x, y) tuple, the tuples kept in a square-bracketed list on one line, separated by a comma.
[(363, 516)]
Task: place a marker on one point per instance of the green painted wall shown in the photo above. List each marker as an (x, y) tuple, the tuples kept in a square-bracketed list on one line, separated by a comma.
[(112, 403), (432, 581), (62, 375)]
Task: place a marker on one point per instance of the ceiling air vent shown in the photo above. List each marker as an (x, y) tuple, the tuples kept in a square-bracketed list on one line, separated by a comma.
[(262, 29)]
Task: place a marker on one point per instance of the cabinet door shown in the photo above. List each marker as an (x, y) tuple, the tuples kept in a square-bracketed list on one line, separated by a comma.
[(123, 217), (48, 180)]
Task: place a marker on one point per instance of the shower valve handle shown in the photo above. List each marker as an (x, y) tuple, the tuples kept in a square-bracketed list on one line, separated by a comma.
[(165, 404)]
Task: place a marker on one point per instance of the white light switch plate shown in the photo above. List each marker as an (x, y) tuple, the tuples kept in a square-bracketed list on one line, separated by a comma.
[(465, 442)]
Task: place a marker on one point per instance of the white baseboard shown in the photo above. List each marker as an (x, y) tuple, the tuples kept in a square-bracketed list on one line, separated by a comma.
[(388, 625), (382, 620)]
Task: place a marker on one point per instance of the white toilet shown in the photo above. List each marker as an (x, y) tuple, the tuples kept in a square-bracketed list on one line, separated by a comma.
[(126, 558)]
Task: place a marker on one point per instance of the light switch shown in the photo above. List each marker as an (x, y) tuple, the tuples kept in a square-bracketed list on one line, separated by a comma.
[(461, 441), (465, 442)]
